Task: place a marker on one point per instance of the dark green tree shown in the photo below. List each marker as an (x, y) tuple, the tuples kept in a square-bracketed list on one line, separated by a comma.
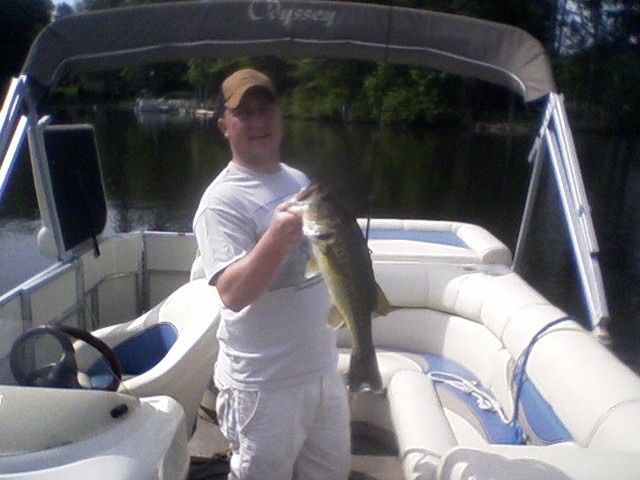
[(598, 64), (20, 22)]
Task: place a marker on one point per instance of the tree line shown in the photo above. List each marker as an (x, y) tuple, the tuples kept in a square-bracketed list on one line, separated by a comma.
[(594, 46)]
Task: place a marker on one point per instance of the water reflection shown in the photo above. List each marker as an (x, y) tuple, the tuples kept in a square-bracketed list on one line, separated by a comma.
[(156, 167)]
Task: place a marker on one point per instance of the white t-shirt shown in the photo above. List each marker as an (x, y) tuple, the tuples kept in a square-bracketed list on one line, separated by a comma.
[(281, 339)]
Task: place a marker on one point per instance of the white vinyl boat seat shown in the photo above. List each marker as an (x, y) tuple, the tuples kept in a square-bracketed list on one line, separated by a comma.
[(542, 426), (537, 419), (481, 323), (169, 350)]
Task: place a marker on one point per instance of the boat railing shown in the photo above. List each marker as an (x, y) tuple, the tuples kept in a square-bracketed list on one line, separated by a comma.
[(554, 143), (13, 125), (89, 293)]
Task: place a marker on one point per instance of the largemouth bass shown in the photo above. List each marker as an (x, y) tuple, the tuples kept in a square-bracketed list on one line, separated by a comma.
[(342, 257)]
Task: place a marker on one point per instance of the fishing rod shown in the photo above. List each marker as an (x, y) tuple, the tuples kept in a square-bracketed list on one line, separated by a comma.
[(376, 137)]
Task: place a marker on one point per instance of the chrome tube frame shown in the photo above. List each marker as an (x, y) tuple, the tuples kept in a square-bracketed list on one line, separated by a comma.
[(13, 125), (18, 117), (555, 142)]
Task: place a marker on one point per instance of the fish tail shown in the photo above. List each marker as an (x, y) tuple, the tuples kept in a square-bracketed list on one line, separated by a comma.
[(364, 374)]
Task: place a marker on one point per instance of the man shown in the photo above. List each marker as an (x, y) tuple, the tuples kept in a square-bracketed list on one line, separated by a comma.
[(282, 403)]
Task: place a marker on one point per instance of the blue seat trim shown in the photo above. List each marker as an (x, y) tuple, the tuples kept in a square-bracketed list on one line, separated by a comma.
[(137, 354), (144, 351), (540, 416), (425, 236), (101, 376), (496, 431)]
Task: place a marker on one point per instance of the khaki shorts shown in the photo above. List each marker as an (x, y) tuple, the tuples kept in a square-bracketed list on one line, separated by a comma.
[(299, 432)]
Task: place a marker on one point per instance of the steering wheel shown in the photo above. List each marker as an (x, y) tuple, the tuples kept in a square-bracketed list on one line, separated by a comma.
[(64, 372)]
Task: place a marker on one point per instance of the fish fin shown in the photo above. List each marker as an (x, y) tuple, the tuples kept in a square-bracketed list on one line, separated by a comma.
[(335, 320), (382, 303), (312, 268), (364, 374)]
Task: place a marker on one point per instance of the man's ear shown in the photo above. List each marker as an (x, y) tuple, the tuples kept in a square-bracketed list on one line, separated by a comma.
[(222, 125)]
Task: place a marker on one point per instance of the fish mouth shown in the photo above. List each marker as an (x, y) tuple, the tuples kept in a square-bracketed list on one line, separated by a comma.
[(313, 232), (304, 203)]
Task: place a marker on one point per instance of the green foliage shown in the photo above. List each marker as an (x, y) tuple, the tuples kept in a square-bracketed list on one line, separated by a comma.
[(414, 95), (325, 87), (602, 87), (621, 90)]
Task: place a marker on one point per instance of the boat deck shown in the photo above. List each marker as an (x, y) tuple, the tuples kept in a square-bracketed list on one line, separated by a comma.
[(372, 458)]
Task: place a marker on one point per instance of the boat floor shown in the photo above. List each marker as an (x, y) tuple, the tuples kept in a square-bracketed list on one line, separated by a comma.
[(372, 458)]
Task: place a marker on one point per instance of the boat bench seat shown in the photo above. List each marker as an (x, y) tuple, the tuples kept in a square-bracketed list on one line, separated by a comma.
[(577, 401), (434, 241)]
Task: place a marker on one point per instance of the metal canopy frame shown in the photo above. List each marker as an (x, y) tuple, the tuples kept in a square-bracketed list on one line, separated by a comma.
[(554, 143)]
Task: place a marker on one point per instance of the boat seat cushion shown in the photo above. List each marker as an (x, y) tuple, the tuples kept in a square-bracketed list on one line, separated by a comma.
[(434, 242), (143, 351), (422, 430), (537, 418), (468, 463), (555, 462), (592, 392), (183, 329), (137, 354), (485, 317), (491, 295), (462, 394)]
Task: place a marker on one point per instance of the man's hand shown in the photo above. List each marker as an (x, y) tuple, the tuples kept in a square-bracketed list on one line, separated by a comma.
[(287, 225)]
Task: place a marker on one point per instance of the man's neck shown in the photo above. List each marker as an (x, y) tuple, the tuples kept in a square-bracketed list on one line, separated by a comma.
[(272, 166)]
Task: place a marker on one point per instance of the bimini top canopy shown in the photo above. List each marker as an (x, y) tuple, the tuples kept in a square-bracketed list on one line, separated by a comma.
[(125, 37)]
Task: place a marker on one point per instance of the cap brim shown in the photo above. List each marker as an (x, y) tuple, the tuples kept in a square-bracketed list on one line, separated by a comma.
[(236, 98)]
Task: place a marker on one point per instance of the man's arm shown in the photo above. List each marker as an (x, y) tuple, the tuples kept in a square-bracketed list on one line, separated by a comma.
[(247, 279)]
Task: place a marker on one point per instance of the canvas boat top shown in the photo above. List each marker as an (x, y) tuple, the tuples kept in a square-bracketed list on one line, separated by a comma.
[(125, 37)]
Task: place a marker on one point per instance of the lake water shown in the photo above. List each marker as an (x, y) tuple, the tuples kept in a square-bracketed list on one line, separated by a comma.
[(156, 167)]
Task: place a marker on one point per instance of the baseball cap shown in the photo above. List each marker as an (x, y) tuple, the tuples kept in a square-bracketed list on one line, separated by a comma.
[(238, 83)]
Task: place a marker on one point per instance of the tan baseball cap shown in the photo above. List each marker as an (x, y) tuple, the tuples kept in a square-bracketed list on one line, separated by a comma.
[(238, 83)]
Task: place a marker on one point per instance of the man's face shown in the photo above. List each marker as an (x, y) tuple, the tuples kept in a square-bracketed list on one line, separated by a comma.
[(254, 130)]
